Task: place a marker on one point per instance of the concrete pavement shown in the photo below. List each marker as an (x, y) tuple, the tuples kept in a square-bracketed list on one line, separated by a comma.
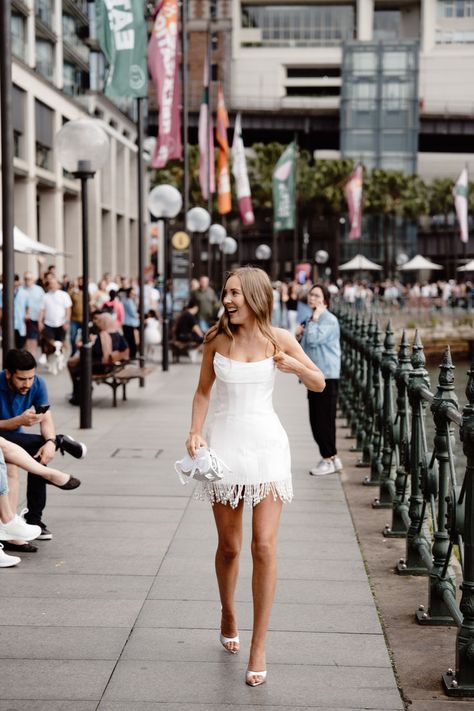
[(120, 611)]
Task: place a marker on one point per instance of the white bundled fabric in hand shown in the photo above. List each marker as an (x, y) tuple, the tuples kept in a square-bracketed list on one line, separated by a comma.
[(206, 466)]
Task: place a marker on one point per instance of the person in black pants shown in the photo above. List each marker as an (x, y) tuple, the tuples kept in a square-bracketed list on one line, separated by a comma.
[(320, 339), (24, 403)]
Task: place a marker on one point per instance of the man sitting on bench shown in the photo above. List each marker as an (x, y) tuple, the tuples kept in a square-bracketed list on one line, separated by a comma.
[(189, 335), (108, 348)]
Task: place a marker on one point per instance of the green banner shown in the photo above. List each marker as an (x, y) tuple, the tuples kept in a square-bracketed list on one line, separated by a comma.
[(283, 185), (121, 33)]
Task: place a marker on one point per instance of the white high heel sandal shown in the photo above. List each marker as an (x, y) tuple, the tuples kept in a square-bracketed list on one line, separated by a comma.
[(261, 675), (227, 640)]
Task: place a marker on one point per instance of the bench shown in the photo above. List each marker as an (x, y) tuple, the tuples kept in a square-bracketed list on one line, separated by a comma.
[(120, 376), (181, 348)]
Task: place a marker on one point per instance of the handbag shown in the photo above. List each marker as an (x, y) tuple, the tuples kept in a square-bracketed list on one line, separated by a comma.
[(206, 466)]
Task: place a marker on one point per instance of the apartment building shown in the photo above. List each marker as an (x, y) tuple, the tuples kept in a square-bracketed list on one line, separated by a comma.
[(58, 75)]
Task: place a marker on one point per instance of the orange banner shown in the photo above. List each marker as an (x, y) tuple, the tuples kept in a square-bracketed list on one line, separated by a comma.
[(224, 200)]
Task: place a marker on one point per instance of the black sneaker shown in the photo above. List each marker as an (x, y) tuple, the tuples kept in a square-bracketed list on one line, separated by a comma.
[(20, 547), (45, 534), (67, 444)]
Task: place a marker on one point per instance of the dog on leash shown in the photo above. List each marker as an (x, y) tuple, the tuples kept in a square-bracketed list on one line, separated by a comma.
[(53, 355)]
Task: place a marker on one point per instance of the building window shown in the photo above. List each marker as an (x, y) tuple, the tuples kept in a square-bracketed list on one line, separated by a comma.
[(456, 8), (298, 25), (18, 117), (44, 122), (44, 58), (387, 24), (18, 35), (455, 22), (72, 79), (44, 11)]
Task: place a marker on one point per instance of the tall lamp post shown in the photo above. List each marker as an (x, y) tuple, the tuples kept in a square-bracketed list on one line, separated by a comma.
[(197, 220), (217, 234), (165, 202), (83, 148)]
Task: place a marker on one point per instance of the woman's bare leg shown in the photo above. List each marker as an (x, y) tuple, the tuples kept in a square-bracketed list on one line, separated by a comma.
[(265, 522), (16, 455), (229, 531), (13, 486), (6, 511)]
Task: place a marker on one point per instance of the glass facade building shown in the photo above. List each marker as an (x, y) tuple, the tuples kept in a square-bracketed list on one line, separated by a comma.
[(379, 104)]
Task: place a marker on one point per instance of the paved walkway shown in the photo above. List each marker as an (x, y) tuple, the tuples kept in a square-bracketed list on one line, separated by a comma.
[(120, 611)]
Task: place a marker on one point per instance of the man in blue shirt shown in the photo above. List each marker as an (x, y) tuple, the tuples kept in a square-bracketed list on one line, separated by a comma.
[(24, 403), (35, 298)]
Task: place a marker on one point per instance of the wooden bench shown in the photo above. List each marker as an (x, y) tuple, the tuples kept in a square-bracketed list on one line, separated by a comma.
[(120, 376)]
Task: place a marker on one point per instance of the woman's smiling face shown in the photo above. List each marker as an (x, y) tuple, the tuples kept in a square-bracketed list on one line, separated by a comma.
[(234, 302)]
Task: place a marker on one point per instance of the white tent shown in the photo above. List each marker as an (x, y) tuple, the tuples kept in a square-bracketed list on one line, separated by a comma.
[(469, 267), (418, 263), (359, 263), (24, 244)]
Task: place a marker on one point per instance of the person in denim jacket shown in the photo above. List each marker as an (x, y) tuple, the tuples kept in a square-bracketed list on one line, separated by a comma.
[(320, 339)]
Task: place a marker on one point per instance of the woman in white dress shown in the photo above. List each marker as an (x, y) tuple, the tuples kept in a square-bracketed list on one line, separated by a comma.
[(241, 353)]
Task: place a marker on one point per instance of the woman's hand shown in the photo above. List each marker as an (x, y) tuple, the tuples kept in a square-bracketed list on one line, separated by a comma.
[(193, 443), (320, 308), (286, 363)]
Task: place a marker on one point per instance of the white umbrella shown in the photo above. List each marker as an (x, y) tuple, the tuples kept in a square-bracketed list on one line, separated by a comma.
[(469, 267), (24, 244), (418, 263), (359, 263)]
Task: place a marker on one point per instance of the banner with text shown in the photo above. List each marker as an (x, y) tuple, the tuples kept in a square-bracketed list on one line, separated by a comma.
[(353, 193), (283, 187)]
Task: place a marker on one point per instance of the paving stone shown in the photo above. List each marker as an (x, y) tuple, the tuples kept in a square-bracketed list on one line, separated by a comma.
[(42, 585), (63, 613), (144, 706), (34, 642), (287, 685), (50, 705), (67, 680), (322, 618)]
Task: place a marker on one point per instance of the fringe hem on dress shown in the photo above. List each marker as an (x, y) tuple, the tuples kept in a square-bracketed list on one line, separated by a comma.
[(252, 494)]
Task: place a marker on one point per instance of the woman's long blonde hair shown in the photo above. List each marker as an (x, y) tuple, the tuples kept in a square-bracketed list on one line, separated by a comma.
[(258, 293)]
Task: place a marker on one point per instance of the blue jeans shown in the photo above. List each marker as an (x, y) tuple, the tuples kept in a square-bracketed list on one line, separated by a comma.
[(73, 329)]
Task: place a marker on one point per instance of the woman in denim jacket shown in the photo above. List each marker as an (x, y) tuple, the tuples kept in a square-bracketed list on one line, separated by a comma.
[(319, 336)]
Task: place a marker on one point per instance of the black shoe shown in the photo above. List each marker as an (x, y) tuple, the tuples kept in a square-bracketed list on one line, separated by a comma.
[(20, 548), (72, 483), (73, 401), (67, 444), (45, 534)]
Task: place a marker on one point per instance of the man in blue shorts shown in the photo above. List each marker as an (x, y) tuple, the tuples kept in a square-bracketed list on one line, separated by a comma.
[(24, 403)]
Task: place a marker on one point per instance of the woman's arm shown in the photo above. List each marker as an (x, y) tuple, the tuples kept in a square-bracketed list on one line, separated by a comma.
[(292, 359), (201, 401)]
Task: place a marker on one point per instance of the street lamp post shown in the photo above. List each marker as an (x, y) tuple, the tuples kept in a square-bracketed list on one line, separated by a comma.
[(165, 202), (217, 235), (83, 148), (197, 220)]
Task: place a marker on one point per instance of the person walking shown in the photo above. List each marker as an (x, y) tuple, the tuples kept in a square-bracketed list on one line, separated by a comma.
[(55, 315), (320, 336), (35, 298), (207, 301), (131, 321), (241, 353)]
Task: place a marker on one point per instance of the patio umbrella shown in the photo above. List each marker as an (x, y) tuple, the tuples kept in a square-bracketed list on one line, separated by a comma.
[(418, 263), (359, 263), (25, 245), (469, 267)]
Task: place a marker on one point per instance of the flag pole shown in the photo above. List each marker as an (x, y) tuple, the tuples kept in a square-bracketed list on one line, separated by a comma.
[(141, 239), (295, 227), (209, 123), (185, 80)]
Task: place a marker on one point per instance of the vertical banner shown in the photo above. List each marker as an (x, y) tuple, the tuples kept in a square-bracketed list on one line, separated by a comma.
[(353, 193), (460, 193), (206, 177), (163, 62), (239, 171), (283, 188), (121, 32), (224, 200)]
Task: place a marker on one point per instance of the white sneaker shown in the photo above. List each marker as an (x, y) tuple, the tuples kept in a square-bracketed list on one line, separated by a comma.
[(337, 463), (18, 528), (324, 467), (7, 561)]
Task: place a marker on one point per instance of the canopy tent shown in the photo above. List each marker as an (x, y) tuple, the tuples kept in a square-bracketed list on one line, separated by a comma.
[(418, 263), (469, 267), (359, 263), (24, 244)]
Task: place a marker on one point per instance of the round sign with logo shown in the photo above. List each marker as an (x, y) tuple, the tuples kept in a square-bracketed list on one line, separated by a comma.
[(180, 241)]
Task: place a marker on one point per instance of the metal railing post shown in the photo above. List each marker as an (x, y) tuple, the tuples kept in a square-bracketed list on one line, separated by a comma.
[(357, 423), (414, 564), (354, 364), (389, 463), (398, 528), (462, 683), (367, 419), (437, 485), (376, 443)]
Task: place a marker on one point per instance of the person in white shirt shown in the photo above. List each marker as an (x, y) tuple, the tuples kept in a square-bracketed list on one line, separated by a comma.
[(55, 315)]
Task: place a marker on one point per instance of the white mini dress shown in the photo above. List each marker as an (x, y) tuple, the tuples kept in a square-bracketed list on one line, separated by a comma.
[(246, 433)]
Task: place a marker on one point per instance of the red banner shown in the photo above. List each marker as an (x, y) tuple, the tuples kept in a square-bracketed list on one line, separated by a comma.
[(163, 62), (353, 192), (239, 170)]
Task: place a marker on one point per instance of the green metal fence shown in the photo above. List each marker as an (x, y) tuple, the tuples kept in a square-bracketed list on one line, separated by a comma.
[(385, 396)]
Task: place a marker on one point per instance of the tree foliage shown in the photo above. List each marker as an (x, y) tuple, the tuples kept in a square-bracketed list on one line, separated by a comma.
[(320, 185)]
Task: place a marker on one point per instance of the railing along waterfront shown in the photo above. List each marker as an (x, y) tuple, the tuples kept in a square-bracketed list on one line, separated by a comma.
[(385, 395)]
